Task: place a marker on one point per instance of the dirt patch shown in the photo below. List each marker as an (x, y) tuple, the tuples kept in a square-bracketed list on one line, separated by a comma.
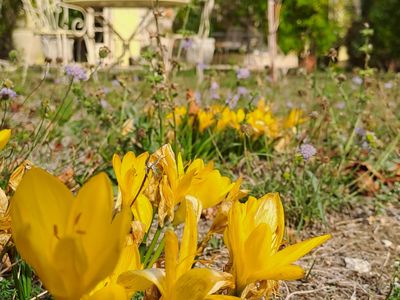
[(373, 242), (359, 235)]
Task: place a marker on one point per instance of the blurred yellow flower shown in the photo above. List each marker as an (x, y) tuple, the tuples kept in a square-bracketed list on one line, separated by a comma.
[(179, 112), (179, 281), (294, 119), (254, 236), (206, 119), (132, 181), (5, 135), (262, 121), (72, 243)]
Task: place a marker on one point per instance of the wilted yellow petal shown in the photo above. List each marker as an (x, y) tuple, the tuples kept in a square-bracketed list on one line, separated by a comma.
[(3, 203), (18, 173), (127, 127)]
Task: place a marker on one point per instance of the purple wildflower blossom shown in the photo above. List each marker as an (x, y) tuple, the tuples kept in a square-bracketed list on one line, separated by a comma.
[(340, 105), (201, 66), (187, 43), (197, 97), (242, 73), (357, 80), (7, 93), (214, 85), (388, 85), (360, 131), (307, 151), (232, 101), (242, 91), (76, 72)]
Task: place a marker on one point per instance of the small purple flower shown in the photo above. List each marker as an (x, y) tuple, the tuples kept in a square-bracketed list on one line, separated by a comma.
[(307, 151), (214, 90), (357, 80), (360, 131), (115, 83), (388, 85), (76, 72), (106, 90), (187, 43), (232, 101), (242, 73), (197, 97), (201, 66), (242, 91), (289, 104), (104, 104), (7, 93), (340, 105), (214, 86)]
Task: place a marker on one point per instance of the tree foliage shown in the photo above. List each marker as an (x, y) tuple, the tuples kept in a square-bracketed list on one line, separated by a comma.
[(306, 24)]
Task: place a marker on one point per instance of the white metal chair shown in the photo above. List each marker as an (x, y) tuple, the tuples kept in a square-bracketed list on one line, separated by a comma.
[(51, 20)]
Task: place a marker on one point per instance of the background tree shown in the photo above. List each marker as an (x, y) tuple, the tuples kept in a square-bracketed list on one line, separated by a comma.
[(384, 19), (9, 10)]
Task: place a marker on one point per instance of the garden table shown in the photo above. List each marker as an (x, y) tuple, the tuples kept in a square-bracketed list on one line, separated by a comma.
[(91, 5)]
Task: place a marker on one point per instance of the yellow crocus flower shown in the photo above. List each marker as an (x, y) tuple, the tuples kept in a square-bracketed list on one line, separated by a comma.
[(208, 186), (72, 243), (132, 181), (179, 113), (254, 236), (5, 135), (206, 119), (179, 281)]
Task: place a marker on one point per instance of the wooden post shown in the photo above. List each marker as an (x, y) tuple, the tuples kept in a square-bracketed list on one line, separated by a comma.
[(272, 39)]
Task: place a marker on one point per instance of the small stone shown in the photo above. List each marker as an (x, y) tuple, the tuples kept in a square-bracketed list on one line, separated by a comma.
[(387, 243), (357, 265)]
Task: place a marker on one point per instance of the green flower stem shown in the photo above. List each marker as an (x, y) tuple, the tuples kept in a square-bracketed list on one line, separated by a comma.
[(152, 246), (157, 253)]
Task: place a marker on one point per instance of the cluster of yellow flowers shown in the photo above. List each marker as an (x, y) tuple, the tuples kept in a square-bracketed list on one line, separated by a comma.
[(85, 246), (257, 122)]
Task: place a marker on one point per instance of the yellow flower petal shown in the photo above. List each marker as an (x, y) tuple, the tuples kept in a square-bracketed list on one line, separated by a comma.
[(171, 259), (196, 284), (292, 253), (5, 135), (140, 280), (188, 246), (110, 292), (142, 210)]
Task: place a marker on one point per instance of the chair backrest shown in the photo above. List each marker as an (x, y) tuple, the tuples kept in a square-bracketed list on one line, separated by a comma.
[(52, 17)]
